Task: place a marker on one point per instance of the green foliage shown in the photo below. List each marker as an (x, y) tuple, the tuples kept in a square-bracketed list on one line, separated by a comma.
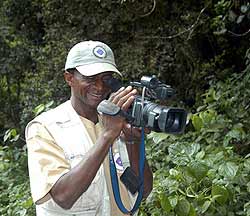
[(43, 108), (15, 193), (148, 37), (206, 170), (11, 135), (230, 14)]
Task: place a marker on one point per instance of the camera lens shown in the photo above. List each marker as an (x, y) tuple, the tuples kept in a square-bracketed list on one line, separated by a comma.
[(163, 119)]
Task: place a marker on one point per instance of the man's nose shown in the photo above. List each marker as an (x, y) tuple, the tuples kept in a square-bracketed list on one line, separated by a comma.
[(99, 84)]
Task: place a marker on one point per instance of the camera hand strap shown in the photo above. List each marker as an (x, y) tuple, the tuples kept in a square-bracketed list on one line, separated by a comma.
[(114, 179)]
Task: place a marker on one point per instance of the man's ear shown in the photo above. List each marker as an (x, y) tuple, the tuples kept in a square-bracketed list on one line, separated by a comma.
[(69, 78)]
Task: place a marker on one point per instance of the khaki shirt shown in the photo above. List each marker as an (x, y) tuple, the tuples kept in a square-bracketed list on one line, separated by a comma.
[(47, 163)]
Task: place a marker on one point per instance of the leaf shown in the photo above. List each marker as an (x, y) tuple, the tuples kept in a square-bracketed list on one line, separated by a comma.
[(198, 170), (28, 203), (158, 137), (236, 133), (200, 155), (49, 104), (220, 194), (248, 187), (197, 122), (228, 169), (247, 208), (7, 135), (210, 96), (178, 154), (220, 32), (240, 18), (11, 135), (207, 116), (243, 8), (192, 211), (15, 138), (173, 201), (181, 154), (165, 203), (174, 172), (193, 149), (205, 206), (38, 109), (22, 212), (183, 207), (247, 164), (232, 15)]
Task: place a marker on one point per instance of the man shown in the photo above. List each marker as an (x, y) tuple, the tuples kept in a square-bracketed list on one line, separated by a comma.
[(68, 146)]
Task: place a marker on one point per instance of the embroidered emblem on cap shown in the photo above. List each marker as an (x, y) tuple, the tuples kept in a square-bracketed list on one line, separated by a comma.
[(99, 52)]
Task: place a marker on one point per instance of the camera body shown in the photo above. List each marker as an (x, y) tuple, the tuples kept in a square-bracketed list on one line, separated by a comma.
[(158, 118), (145, 113)]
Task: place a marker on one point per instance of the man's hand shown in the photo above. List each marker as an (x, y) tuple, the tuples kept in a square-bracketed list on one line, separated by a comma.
[(132, 134), (123, 98)]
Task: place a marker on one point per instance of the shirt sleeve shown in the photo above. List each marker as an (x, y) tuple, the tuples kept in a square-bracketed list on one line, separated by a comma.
[(46, 161)]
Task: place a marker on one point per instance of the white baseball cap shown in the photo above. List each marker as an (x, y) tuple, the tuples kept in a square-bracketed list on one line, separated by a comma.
[(91, 58)]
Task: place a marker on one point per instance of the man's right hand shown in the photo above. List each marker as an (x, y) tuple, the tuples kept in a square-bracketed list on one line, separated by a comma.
[(123, 98)]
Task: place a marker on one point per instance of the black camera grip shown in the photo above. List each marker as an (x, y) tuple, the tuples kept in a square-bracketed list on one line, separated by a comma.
[(108, 108)]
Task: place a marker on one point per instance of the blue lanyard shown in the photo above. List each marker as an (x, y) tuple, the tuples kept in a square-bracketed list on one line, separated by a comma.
[(114, 179)]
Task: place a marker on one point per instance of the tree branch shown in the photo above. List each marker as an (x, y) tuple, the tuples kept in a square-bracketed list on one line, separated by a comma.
[(190, 29), (239, 35), (151, 11)]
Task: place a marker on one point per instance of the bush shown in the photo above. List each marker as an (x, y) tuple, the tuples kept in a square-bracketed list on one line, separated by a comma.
[(206, 170), (15, 198)]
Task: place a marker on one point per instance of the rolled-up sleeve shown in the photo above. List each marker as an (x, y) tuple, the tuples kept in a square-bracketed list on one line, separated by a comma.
[(46, 161)]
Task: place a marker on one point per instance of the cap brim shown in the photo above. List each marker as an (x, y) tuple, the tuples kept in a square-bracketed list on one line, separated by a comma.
[(97, 68)]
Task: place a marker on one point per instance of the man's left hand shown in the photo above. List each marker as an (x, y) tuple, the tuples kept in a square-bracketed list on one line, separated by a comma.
[(132, 134)]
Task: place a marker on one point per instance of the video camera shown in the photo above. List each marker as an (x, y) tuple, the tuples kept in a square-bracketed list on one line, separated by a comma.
[(145, 113)]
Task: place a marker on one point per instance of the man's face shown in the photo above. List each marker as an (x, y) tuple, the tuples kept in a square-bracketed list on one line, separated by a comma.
[(89, 91)]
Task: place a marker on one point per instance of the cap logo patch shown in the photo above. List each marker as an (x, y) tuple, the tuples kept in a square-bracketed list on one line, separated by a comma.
[(99, 52)]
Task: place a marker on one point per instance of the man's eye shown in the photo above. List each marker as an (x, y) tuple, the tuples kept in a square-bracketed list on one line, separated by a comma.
[(105, 79), (90, 79)]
